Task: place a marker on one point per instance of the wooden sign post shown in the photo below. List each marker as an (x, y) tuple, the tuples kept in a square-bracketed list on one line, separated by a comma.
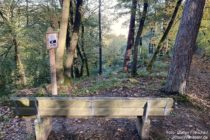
[(52, 44)]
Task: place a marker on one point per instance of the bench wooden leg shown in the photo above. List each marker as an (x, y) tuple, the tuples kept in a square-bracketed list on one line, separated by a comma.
[(43, 128), (143, 126)]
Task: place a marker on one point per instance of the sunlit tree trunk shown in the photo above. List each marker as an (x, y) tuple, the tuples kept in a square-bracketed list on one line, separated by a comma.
[(131, 34), (138, 38), (74, 39), (62, 42), (184, 47)]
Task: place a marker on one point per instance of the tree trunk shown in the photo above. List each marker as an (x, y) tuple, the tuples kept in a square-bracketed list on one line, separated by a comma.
[(131, 33), (100, 39), (70, 25), (149, 67), (83, 51), (82, 61), (184, 47), (74, 39), (62, 42), (27, 16), (19, 66), (138, 38)]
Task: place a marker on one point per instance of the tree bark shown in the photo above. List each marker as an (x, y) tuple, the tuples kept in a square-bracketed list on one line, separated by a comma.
[(74, 39), (19, 66), (138, 38), (27, 16), (159, 46), (100, 39), (131, 33), (62, 42), (83, 51), (184, 47), (70, 24), (82, 61)]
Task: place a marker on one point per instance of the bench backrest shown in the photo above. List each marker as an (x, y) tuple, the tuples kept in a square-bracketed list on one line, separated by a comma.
[(118, 107)]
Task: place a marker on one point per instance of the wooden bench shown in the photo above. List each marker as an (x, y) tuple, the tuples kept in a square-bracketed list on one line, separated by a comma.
[(44, 108)]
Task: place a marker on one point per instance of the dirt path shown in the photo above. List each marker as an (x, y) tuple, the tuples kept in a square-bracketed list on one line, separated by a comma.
[(187, 121)]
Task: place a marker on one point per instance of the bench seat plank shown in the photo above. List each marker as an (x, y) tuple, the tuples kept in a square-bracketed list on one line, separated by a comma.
[(91, 106), (88, 101)]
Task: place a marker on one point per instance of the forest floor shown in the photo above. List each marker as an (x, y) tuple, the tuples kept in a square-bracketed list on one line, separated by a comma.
[(191, 115)]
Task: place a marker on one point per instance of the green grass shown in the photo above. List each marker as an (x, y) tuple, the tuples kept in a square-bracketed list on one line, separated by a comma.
[(144, 73), (100, 83)]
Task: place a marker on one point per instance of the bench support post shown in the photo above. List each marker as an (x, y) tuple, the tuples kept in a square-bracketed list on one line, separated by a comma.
[(143, 123), (43, 127), (143, 127)]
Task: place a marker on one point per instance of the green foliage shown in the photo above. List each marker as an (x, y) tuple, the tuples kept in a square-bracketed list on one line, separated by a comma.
[(4, 100), (143, 72), (203, 40), (113, 49), (30, 39)]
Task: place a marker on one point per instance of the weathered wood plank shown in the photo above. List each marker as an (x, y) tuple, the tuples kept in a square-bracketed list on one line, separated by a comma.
[(88, 98), (94, 112), (65, 112), (43, 128), (54, 102), (128, 103), (143, 127), (92, 106), (64, 103)]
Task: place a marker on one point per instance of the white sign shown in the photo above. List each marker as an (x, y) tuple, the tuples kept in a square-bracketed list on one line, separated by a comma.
[(52, 40)]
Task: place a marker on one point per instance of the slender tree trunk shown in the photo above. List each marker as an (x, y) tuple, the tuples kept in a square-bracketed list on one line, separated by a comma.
[(82, 60), (83, 51), (27, 17), (168, 7), (184, 47), (149, 67), (138, 38), (74, 39), (62, 42), (76, 62), (131, 33), (100, 39), (19, 66)]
